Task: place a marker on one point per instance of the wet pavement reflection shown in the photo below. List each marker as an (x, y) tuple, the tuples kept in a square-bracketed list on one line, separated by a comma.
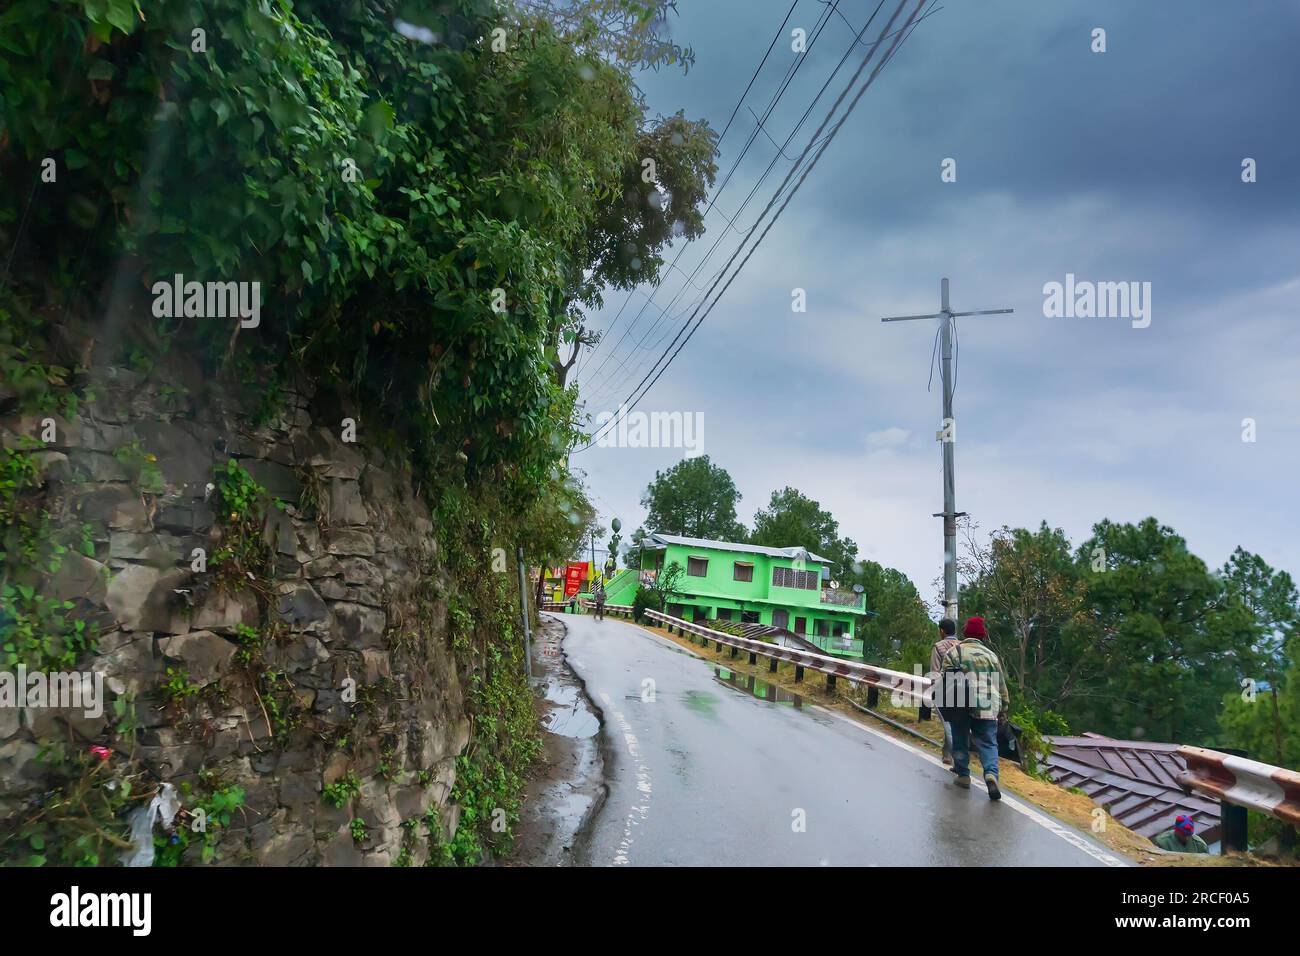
[(757, 687)]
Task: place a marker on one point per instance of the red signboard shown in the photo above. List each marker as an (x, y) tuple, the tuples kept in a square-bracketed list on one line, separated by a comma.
[(573, 575)]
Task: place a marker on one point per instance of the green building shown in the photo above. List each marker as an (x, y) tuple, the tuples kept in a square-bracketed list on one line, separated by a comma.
[(789, 588)]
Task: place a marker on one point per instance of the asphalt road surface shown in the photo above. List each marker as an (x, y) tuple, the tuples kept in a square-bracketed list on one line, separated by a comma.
[(703, 773)]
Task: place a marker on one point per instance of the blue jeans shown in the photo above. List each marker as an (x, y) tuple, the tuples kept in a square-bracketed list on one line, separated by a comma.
[(983, 733), (947, 735)]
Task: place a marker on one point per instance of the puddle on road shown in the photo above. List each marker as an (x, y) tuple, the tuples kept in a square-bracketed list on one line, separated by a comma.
[(700, 702), (758, 688), (570, 717)]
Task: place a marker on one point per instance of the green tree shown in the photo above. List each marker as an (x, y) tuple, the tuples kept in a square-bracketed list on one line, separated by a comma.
[(694, 498), (667, 171), (1274, 605), (555, 524), (899, 633), (792, 519), (633, 557), (631, 32), (1170, 642), (1268, 726), (1031, 591)]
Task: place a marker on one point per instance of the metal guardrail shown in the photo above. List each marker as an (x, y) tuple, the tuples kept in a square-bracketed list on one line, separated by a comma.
[(588, 604), (624, 609), (879, 678), (1245, 783)]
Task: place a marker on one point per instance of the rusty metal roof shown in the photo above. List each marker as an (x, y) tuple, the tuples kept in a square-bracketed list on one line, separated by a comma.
[(1135, 780)]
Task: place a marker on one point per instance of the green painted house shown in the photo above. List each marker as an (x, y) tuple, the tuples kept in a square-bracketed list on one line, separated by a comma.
[(789, 588)]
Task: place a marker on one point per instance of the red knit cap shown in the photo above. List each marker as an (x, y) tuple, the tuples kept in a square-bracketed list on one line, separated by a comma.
[(974, 628)]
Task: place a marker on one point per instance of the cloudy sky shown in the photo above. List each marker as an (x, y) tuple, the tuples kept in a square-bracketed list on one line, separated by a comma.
[(1117, 166)]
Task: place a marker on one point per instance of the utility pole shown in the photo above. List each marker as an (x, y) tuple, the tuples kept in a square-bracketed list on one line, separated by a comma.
[(593, 562), (523, 610), (948, 436)]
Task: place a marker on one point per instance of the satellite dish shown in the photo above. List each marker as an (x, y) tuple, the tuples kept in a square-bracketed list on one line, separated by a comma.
[(835, 585), (858, 589)]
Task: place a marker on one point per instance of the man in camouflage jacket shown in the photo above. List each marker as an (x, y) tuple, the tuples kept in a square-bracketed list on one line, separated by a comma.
[(974, 700)]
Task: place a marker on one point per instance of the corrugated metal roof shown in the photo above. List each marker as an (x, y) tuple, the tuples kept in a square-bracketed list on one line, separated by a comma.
[(1135, 780), (734, 546)]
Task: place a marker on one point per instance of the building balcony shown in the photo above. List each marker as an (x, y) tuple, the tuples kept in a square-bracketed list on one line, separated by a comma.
[(843, 597), (836, 646)]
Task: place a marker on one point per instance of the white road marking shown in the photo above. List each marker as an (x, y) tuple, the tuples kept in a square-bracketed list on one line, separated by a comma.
[(1065, 833), (638, 812)]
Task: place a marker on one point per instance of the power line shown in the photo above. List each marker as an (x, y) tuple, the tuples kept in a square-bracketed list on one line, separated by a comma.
[(899, 38), (818, 28), (798, 126), (602, 385), (904, 30), (735, 110), (820, 25), (601, 389)]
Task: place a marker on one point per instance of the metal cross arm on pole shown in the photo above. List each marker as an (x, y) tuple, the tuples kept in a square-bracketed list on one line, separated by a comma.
[(939, 315), (947, 435)]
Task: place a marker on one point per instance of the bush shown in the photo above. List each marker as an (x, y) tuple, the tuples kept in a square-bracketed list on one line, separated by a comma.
[(1034, 726), (646, 598)]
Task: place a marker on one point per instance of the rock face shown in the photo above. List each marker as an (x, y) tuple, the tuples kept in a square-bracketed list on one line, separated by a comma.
[(331, 670)]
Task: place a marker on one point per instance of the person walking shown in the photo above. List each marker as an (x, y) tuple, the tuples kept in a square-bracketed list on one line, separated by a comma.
[(1181, 838), (946, 642), (974, 700), (600, 602)]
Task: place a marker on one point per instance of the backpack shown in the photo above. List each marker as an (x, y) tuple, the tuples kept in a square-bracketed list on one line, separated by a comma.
[(955, 692)]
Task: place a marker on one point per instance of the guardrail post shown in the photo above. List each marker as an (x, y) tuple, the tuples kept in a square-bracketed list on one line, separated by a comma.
[(830, 682), (753, 657), (798, 672), (719, 643), (771, 665), (873, 696), (735, 651), (1232, 817), (1233, 820)]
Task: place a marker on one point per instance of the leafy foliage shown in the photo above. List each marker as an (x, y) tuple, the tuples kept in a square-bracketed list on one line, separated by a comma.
[(695, 498), (1131, 635), (418, 215), (899, 631), (36, 629), (792, 519)]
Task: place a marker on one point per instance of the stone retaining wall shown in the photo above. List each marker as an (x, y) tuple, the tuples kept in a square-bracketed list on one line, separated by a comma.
[(353, 596)]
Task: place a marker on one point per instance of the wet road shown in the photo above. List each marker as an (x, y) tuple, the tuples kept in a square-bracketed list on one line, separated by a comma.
[(701, 772)]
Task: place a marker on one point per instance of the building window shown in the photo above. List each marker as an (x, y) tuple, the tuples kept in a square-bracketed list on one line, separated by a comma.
[(823, 627), (697, 567), (742, 571), (724, 614), (792, 578), (749, 617)]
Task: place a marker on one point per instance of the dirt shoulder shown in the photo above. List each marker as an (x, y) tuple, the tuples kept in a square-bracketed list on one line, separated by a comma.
[(567, 786)]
